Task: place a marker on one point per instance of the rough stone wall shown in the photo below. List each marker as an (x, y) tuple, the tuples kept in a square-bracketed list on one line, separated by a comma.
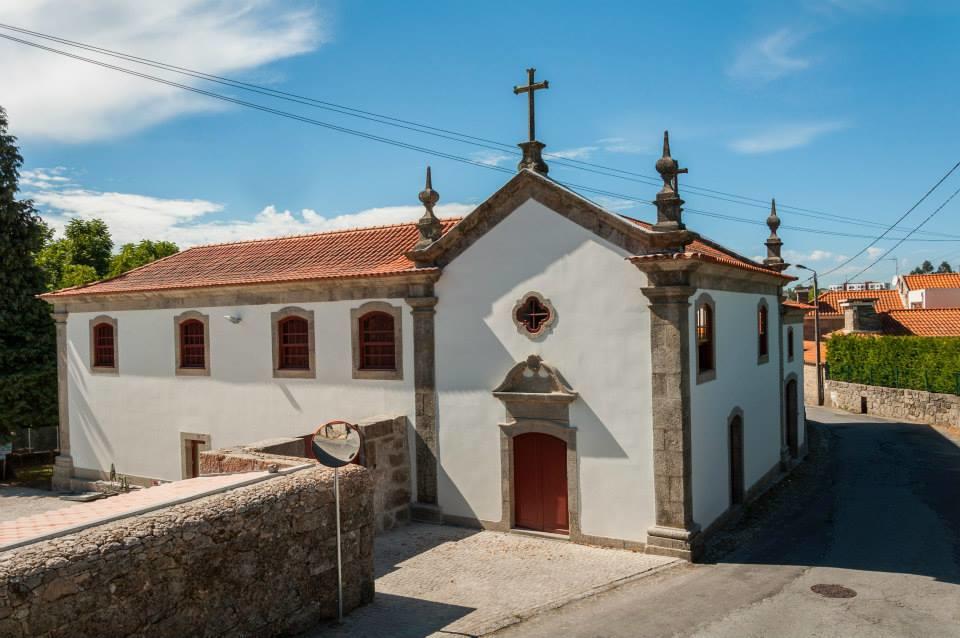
[(256, 561), (386, 454), (810, 384), (254, 457), (896, 403)]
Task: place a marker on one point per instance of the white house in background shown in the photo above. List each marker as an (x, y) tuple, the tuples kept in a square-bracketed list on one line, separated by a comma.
[(934, 290), (563, 368)]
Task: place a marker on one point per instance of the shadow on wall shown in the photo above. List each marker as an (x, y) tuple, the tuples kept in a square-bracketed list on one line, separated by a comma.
[(874, 496)]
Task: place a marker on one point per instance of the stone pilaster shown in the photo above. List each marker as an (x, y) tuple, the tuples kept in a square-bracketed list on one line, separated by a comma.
[(423, 309), (63, 464), (675, 533)]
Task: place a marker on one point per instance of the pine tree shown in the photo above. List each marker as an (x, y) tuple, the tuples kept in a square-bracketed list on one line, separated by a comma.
[(28, 372)]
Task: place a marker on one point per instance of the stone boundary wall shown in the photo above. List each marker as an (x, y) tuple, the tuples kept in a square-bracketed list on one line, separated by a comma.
[(255, 457), (258, 560), (895, 403), (386, 454)]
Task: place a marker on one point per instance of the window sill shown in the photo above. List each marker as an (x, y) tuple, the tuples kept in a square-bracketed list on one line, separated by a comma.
[(193, 372), (104, 370), (293, 373), (383, 375), (762, 360), (705, 376)]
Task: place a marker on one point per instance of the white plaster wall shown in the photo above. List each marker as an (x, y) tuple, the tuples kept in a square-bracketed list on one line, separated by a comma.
[(915, 297), (740, 382), (600, 343), (795, 367), (134, 419)]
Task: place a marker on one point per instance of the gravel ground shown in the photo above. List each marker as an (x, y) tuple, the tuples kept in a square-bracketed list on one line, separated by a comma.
[(16, 502)]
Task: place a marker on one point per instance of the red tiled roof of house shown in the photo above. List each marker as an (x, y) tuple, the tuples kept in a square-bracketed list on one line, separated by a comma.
[(715, 252), (810, 352), (922, 322), (363, 252), (932, 280), (790, 303), (886, 300)]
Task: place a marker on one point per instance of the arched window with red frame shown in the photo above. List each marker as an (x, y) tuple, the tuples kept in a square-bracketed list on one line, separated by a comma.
[(378, 348), (192, 344), (294, 343), (104, 342)]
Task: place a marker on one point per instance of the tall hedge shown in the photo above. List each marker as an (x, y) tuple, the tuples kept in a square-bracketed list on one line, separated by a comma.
[(919, 363)]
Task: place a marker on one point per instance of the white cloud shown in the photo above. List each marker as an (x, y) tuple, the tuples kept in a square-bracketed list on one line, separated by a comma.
[(816, 255), (769, 57), (784, 137), (132, 217), (53, 97), (623, 145), (615, 204), (580, 152), (874, 251)]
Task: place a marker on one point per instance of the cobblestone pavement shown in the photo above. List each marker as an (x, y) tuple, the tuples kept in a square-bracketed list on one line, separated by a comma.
[(874, 510), (451, 581), (16, 502)]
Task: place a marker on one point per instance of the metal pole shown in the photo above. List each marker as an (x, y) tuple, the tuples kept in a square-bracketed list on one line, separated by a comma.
[(336, 500), (816, 330)]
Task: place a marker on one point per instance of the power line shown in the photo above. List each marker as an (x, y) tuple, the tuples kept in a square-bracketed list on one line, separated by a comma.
[(900, 219), (443, 133), (398, 143), (916, 228)]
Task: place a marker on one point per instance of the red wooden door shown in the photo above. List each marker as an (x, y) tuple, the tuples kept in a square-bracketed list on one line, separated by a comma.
[(540, 483)]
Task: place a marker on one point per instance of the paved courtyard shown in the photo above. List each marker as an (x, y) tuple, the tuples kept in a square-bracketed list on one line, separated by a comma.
[(450, 581)]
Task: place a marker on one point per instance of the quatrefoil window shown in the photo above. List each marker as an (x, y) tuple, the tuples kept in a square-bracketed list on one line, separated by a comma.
[(533, 314)]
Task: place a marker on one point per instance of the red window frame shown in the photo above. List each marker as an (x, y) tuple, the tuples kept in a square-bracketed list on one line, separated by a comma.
[(704, 327), (378, 345), (104, 342), (193, 344), (763, 344), (533, 314), (293, 334)]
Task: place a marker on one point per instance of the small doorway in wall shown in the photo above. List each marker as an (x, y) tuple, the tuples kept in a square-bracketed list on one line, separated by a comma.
[(191, 445), (540, 483), (793, 439), (736, 460), (863, 405)]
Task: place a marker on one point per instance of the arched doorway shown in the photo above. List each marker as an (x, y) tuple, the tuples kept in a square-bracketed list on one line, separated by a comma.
[(793, 441), (736, 460), (540, 483)]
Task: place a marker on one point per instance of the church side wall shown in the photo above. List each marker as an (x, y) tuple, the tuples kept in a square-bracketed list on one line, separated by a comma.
[(740, 383), (135, 419), (600, 343)]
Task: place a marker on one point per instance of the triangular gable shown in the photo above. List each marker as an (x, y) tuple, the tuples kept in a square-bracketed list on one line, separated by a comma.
[(525, 185)]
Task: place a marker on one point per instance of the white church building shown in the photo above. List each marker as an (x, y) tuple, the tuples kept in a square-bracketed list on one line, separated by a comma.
[(562, 368)]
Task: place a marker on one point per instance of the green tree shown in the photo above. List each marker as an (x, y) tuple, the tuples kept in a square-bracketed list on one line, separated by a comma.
[(924, 269), (28, 372), (135, 255), (82, 255), (944, 267)]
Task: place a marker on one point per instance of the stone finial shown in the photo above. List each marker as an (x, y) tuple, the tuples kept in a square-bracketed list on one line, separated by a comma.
[(533, 157), (668, 202), (429, 226), (774, 243)]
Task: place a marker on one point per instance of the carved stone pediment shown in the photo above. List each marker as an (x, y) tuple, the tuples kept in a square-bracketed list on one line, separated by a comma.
[(534, 380)]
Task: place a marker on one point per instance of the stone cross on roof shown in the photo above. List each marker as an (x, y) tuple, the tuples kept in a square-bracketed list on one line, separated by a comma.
[(532, 149)]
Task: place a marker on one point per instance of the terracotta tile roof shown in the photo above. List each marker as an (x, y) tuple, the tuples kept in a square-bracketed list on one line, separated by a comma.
[(790, 303), (932, 280), (713, 251), (923, 322), (364, 252), (886, 300), (810, 352)]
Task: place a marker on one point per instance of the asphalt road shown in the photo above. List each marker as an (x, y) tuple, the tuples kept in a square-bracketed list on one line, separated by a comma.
[(876, 510)]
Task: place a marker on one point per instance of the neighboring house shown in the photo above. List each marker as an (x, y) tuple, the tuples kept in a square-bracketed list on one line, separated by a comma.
[(935, 290), (564, 369)]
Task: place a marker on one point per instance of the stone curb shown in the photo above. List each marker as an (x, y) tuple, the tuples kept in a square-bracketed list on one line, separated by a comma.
[(492, 626)]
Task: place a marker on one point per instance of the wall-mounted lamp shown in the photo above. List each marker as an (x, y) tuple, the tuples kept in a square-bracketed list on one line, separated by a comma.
[(233, 318)]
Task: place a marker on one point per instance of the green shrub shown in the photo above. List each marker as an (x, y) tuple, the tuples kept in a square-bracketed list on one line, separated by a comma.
[(919, 363)]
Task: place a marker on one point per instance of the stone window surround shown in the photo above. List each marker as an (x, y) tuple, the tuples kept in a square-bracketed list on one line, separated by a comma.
[(115, 369), (191, 436), (355, 315), (205, 320), (546, 327), (275, 319), (565, 433), (711, 374), (763, 358)]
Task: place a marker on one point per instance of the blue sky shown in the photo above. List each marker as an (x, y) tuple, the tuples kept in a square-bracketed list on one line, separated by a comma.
[(842, 106)]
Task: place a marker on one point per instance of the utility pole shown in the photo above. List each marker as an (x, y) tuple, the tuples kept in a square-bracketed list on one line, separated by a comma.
[(816, 331)]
